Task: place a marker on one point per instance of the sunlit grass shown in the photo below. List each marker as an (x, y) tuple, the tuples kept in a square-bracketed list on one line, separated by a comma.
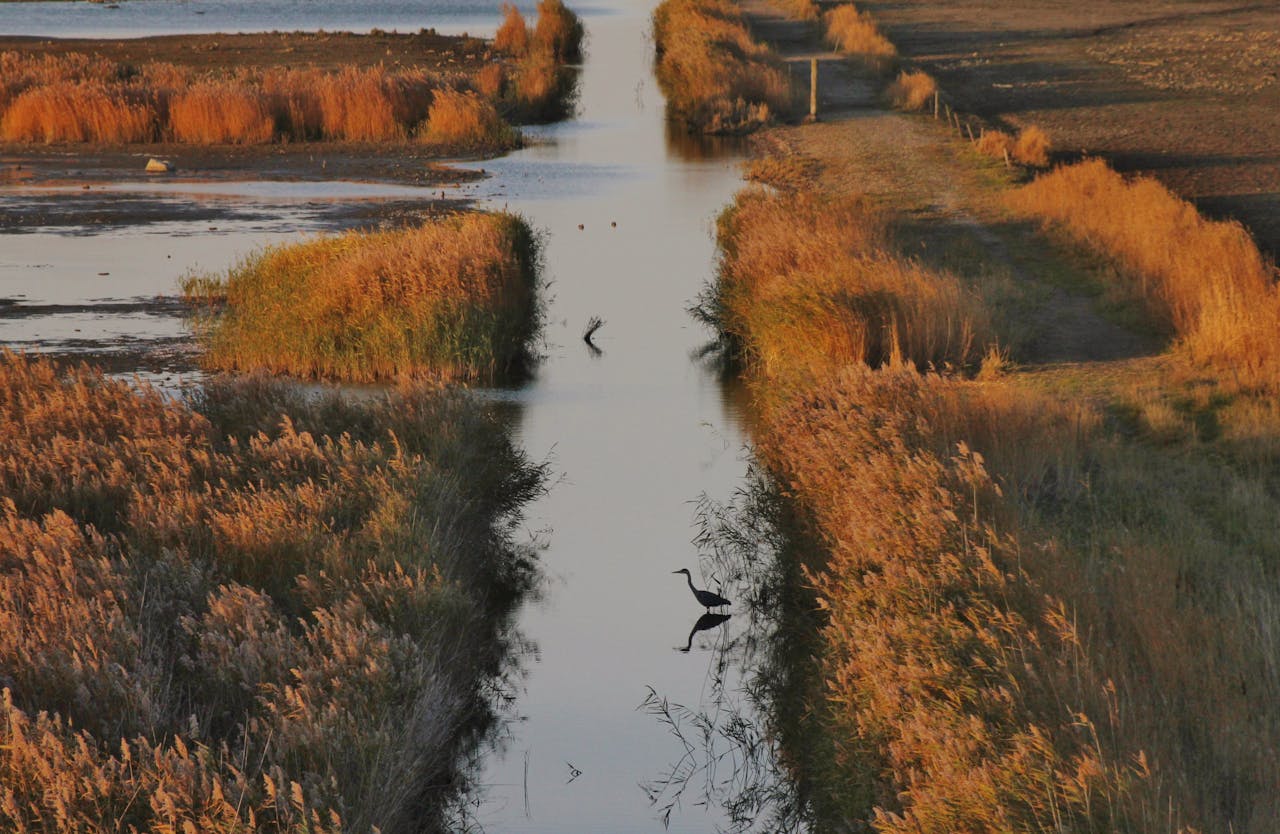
[(716, 76), (268, 614), (453, 299)]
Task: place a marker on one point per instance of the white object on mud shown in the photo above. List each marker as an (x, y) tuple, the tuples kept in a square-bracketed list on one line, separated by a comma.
[(158, 166)]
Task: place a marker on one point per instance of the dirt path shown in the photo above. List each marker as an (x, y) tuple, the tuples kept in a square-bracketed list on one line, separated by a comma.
[(920, 171)]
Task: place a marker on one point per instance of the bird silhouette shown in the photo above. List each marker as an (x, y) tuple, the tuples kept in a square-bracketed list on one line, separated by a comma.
[(705, 623), (706, 599)]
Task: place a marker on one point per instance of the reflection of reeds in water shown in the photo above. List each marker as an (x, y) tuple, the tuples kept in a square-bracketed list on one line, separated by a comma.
[(729, 743), (229, 619)]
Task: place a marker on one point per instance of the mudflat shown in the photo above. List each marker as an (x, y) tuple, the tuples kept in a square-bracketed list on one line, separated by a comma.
[(262, 50), (1185, 91)]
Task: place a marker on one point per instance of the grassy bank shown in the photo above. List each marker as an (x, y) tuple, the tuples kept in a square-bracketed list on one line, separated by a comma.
[(951, 689), (716, 77), (1046, 591), (454, 298), (266, 613), (1205, 281)]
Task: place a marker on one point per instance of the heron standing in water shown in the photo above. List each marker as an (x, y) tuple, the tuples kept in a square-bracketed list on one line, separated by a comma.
[(706, 599)]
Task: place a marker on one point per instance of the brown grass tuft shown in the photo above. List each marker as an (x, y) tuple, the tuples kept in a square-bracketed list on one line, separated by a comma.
[(854, 33), (799, 9), (491, 81), (912, 90), (1032, 147), (461, 119)]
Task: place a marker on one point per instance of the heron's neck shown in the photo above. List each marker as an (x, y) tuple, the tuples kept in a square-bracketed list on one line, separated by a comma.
[(689, 578)]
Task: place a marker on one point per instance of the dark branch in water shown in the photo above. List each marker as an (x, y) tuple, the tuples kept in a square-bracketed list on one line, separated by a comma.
[(593, 324)]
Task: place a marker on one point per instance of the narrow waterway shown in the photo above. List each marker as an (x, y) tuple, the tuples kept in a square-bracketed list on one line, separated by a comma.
[(640, 432)]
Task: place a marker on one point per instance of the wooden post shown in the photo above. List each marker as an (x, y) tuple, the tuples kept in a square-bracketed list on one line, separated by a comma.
[(969, 129), (1007, 164), (813, 89), (935, 105)]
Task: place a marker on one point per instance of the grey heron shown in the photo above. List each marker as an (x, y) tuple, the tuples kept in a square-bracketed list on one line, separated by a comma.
[(706, 599)]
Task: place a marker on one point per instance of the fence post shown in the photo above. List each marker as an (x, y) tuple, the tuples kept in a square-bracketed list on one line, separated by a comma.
[(813, 89), (935, 105)]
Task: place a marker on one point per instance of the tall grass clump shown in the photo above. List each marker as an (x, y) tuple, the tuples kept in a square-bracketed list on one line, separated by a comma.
[(912, 90), (452, 299), (854, 33), (78, 111), (799, 9), (717, 78), (558, 31), (221, 112), (1030, 147), (462, 119), (807, 281), (1205, 279), (272, 614), (512, 36)]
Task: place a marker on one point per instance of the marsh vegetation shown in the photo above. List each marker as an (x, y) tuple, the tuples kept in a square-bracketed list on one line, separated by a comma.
[(261, 611)]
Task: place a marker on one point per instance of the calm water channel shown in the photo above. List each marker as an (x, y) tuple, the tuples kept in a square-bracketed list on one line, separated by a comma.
[(639, 432)]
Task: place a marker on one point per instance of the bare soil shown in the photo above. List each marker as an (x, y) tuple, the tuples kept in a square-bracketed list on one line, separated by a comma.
[(1184, 90), (263, 50)]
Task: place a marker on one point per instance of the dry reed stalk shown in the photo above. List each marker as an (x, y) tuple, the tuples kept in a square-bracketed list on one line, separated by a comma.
[(806, 283), (78, 111)]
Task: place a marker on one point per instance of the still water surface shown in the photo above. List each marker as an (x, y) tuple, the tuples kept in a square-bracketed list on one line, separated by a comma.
[(138, 18), (640, 431)]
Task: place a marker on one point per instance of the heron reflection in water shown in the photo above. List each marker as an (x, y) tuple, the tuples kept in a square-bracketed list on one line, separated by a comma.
[(706, 622)]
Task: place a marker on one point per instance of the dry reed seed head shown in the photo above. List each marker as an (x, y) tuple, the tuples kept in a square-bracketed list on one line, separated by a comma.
[(933, 645)]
